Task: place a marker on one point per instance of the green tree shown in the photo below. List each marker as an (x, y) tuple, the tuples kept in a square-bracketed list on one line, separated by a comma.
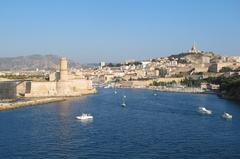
[(226, 69)]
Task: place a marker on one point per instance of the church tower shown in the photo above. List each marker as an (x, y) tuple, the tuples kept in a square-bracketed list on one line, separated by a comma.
[(194, 49)]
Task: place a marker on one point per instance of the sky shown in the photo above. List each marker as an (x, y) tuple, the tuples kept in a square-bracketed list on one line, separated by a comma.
[(90, 31)]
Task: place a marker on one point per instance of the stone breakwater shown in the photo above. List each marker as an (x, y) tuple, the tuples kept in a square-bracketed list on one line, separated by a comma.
[(28, 102), (7, 104)]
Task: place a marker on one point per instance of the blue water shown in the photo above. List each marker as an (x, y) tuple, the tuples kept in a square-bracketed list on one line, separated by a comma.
[(162, 126)]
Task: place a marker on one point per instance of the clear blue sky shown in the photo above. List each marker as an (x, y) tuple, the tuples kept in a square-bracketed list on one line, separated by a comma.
[(115, 30)]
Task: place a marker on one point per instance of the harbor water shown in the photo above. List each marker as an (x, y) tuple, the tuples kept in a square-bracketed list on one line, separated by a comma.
[(152, 125)]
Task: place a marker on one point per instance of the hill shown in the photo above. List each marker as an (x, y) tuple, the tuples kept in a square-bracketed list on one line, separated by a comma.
[(230, 87), (32, 62), (196, 57)]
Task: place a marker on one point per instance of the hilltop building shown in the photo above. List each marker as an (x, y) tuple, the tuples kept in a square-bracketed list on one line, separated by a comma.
[(102, 64), (194, 49)]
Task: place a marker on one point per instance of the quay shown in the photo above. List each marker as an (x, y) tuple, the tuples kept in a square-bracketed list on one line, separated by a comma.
[(171, 89), (178, 89)]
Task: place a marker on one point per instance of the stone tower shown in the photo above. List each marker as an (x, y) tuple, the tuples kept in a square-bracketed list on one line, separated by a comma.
[(63, 69)]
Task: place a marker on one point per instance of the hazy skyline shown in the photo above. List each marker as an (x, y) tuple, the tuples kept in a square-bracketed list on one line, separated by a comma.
[(105, 30)]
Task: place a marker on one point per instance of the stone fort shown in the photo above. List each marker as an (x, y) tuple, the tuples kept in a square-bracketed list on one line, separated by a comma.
[(60, 84)]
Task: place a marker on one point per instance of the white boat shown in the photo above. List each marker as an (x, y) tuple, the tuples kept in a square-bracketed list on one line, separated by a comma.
[(115, 92), (203, 110), (123, 101), (155, 94), (226, 116), (124, 105), (84, 117), (108, 86)]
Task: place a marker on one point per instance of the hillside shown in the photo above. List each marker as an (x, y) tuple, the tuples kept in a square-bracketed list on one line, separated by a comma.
[(230, 87), (32, 62), (196, 57)]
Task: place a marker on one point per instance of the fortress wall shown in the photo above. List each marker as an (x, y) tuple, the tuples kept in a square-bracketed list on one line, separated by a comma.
[(83, 83), (42, 89), (8, 89), (63, 88), (74, 87), (59, 85), (60, 88)]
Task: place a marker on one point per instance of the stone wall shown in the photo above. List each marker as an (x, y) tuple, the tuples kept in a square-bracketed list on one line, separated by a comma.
[(73, 87), (135, 84), (60, 88), (216, 67), (146, 83), (178, 80), (42, 89), (201, 67), (141, 84), (8, 89)]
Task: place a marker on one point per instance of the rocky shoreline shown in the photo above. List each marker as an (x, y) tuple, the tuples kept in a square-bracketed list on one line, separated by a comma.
[(229, 97)]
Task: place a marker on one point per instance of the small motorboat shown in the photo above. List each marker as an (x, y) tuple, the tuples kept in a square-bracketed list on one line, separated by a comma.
[(85, 117), (226, 116), (204, 111), (115, 92), (155, 94)]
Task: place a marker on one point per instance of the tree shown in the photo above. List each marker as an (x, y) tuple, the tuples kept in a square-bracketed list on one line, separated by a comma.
[(226, 69)]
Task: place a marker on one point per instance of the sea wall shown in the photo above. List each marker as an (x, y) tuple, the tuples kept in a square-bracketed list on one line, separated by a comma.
[(146, 83), (178, 89), (169, 79), (28, 102)]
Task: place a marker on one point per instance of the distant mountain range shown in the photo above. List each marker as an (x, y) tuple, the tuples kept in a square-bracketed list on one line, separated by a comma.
[(33, 62)]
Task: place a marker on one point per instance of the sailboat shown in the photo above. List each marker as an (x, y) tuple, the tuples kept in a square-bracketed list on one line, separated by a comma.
[(115, 90), (123, 101)]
